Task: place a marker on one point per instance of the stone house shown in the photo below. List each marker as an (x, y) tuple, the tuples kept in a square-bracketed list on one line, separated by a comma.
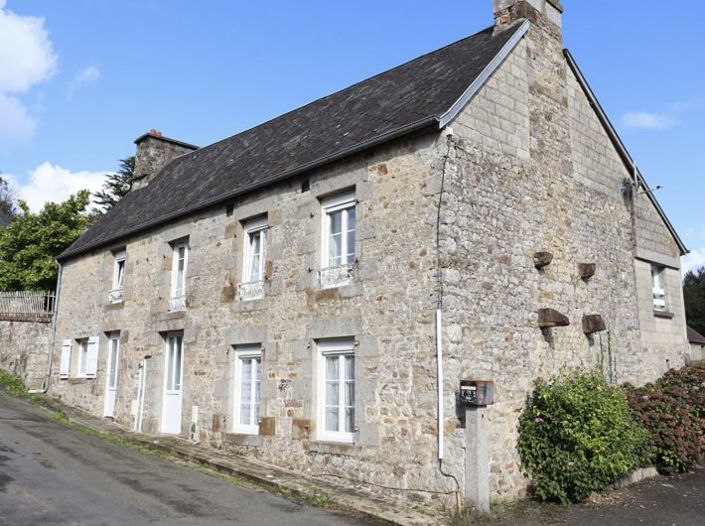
[(696, 342), (312, 291)]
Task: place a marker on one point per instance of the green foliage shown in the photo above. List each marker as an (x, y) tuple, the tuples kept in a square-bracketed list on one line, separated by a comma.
[(673, 411), (577, 436), (116, 186), (694, 298), (12, 384), (30, 243)]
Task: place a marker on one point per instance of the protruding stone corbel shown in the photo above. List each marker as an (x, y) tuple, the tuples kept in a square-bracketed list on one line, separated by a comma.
[(552, 318), (587, 270), (542, 259), (593, 323)]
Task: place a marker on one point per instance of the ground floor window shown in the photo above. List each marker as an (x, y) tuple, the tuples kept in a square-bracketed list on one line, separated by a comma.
[(336, 390), (248, 374)]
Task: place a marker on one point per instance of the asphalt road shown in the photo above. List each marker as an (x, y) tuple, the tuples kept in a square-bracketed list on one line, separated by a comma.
[(53, 475)]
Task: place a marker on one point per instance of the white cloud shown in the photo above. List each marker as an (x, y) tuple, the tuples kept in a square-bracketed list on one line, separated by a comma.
[(50, 182), (85, 76), (694, 260), (16, 124), (644, 120), (26, 59)]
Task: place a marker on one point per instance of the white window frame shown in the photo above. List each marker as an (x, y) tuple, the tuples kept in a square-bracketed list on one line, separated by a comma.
[(658, 291), (82, 359), (338, 347), (178, 301), (251, 286), (342, 201), (116, 294), (113, 344), (171, 383), (246, 352)]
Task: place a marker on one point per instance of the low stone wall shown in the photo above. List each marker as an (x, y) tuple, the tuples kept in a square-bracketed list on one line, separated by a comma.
[(24, 346)]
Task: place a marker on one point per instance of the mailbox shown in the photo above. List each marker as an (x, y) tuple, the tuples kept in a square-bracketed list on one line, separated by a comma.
[(477, 393)]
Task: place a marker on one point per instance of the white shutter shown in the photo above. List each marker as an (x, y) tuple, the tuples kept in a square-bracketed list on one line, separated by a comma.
[(65, 363), (92, 357)]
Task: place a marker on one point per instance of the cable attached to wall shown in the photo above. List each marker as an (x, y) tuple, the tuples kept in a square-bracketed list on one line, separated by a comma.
[(449, 141)]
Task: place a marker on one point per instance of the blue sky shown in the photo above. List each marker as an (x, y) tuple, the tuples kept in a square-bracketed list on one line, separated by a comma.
[(92, 75)]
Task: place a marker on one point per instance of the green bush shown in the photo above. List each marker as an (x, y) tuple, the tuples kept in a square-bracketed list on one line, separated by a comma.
[(12, 384), (577, 436), (672, 410)]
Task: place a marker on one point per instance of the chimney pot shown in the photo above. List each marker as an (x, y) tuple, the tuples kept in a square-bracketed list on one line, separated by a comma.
[(155, 132)]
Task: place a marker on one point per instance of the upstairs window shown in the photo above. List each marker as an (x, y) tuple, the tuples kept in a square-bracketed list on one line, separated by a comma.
[(658, 291), (255, 249), (178, 276), (338, 241), (116, 294)]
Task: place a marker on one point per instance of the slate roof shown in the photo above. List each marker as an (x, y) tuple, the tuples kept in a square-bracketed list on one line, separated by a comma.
[(404, 99), (695, 337)]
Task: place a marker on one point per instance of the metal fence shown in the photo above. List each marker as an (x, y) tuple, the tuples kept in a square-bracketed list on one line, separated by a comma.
[(30, 303)]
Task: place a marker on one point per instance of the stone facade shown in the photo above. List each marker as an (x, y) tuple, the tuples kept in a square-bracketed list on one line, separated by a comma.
[(24, 349), (528, 168)]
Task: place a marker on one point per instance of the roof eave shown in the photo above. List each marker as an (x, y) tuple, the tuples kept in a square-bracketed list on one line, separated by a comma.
[(621, 148), (421, 124)]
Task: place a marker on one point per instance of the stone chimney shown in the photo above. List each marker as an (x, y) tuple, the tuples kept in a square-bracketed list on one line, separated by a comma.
[(545, 14), (154, 151)]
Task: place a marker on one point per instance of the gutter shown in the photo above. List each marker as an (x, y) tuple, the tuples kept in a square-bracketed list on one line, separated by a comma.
[(45, 385), (419, 125), (621, 148)]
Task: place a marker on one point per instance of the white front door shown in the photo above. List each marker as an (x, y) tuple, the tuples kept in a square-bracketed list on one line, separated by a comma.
[(112, 375), (173, 375)]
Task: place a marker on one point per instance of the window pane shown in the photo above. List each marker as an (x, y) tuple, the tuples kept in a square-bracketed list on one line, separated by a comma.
[(335, 250), (331, 419), (113, 363), (170, 365), (120, 273), (336, 222), (177, 363), (349, 419)]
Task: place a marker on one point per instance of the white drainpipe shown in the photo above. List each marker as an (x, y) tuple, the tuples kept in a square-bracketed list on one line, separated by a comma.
[(439, 360)]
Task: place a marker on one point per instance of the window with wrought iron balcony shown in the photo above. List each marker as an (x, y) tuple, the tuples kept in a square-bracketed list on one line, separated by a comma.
[(116, 294), (338, 241), (177, 300), (254, 254)]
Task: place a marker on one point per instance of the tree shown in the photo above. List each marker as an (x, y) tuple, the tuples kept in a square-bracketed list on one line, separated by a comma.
[(8, 201), (30, 243), (116, 185), (694, 297)]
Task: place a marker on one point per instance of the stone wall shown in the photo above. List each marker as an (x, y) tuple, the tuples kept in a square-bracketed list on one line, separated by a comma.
[(389, 310), (532, 169), (24, 349)]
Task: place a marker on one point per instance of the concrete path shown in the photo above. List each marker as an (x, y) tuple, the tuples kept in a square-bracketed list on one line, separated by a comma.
[(53, 475), (662, 501)]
